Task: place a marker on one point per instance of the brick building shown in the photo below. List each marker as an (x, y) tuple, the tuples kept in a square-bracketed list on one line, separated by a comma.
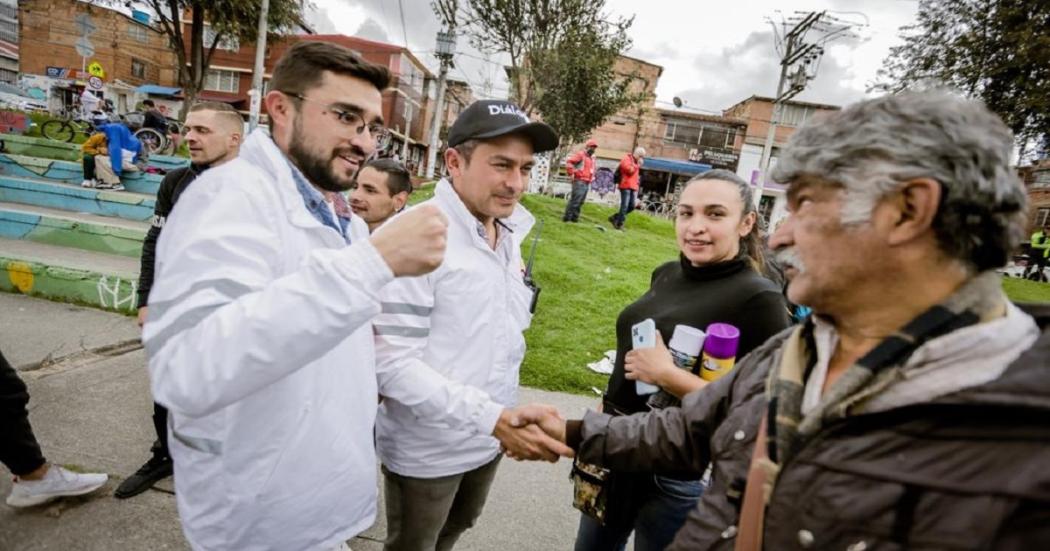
[(757, 111), (9, 41), (458, 95), (406, 104), (1036, 179), (633, 125), (128, 50)]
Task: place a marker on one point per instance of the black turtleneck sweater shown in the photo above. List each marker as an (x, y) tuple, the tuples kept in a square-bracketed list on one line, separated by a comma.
[(683, 294)]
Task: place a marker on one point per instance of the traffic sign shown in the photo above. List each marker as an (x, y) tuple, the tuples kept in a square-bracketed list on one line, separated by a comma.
[(85, 25), (84, 47), (95, 68), (94, 83)]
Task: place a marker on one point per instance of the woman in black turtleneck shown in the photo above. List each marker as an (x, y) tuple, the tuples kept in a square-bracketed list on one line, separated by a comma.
[(716, 279)]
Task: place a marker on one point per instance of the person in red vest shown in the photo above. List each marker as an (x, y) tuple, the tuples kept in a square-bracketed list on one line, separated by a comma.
[(580, 168), (627, 178)]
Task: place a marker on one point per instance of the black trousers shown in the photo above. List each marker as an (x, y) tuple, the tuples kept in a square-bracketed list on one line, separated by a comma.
[(89, 167), (576, 199), (1035, 271), (19, 449), (160, 423)]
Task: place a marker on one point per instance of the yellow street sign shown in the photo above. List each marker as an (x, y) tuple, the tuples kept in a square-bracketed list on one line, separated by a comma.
[(95, 68)]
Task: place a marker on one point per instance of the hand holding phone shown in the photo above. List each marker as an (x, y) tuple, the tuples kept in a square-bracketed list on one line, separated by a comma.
[(643, 335)]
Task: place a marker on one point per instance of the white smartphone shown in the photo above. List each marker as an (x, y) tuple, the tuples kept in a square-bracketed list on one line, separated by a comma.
[(643, 335)]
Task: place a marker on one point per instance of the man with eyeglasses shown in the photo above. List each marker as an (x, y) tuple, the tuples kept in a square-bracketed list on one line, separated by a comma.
[(258, 334)]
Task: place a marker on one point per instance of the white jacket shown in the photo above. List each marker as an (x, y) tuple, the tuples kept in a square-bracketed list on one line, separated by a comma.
[(449, 346), (260, 345)]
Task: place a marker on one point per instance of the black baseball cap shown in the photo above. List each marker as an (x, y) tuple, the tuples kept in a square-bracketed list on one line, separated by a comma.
[(493, 118)]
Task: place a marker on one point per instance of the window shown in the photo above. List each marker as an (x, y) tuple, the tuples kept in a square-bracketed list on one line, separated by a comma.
[(682, 131), (411, 76), (1042, 216), (227, 43), (218, 80), (794, 115), (714, 136), (138, 68), (765, 209), (691, 132), (138, 32), (1041, 180)]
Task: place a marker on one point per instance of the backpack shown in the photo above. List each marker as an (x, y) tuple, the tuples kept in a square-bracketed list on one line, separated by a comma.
[(617, 176)]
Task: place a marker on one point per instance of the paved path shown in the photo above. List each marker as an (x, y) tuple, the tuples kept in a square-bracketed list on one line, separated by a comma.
[(92, 410)]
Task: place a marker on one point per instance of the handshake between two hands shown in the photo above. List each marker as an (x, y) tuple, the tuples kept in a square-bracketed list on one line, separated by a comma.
[(532, 432)]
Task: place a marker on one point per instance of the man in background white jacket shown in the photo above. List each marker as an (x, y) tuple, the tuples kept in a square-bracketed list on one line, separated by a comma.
[(258, 332), (449, 344)]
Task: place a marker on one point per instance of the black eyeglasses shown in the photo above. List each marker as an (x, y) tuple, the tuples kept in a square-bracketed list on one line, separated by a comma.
[(379, 133)]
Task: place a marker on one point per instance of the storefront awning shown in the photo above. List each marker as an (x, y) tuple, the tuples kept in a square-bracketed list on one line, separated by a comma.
[(158, 90), (674, 166)]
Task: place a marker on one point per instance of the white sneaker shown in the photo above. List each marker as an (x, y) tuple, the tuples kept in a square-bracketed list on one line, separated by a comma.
[(56, 483), (87, 183), (111, 187)]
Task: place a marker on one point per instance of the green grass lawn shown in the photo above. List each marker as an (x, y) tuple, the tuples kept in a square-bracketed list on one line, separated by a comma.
[(1020, 290), (589, 275)]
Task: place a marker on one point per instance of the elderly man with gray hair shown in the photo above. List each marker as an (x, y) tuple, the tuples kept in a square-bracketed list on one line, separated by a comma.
[(912, 410)]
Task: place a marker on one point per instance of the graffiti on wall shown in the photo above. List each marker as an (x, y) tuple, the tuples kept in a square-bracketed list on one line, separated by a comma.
[(110, 293), (21, 276)]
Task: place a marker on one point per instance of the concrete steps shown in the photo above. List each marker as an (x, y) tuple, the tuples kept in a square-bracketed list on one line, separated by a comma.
[(48, 149), (71, 197), (21, 166), (71, 229), (64, 242), (69, 274)]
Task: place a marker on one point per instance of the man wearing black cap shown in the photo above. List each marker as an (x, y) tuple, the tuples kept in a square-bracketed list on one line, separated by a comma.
[(449, 344)]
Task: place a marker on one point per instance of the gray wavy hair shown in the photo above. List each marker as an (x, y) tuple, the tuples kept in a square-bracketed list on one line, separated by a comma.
[(871, 147)]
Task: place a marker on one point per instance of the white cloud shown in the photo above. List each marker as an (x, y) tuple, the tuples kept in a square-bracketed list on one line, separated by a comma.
[(712, 54)]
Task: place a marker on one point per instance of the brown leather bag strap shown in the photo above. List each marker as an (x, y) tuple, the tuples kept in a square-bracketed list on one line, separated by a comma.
[(753, 509)]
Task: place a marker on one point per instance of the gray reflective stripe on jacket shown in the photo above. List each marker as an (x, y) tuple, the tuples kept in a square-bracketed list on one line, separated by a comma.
[(228, 289)]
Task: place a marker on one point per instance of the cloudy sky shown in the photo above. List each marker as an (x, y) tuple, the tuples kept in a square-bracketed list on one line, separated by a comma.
[(712, 56)]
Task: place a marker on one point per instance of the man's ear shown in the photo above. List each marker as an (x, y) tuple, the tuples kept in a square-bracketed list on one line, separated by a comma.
[(400, 199), (455, 162), (912, 209), (279, 108)]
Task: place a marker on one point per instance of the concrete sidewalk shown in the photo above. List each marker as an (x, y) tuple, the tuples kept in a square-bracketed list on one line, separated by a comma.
[(92, 410)]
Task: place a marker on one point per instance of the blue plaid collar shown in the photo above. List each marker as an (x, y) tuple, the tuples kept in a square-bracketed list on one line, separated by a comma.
[(315, 204)]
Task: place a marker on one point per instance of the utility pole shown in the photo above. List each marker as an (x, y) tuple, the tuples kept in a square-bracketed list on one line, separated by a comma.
[(794, 51), (257, 75), (446, 48)]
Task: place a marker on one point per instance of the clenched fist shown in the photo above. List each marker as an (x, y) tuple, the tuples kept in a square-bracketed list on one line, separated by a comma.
[(413, 243)]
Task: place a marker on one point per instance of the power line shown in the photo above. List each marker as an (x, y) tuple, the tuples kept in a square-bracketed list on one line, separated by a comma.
[(404, 33)]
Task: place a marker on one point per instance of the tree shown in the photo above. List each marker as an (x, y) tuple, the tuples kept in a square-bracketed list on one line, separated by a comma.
[(229, 20), (997, 51), (562, 55), (579, 88)]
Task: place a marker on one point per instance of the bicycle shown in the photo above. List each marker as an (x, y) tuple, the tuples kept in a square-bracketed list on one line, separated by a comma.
[(154, 141), (66, 127)]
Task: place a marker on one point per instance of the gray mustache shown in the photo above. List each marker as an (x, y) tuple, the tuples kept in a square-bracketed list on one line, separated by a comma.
[(788, 257)]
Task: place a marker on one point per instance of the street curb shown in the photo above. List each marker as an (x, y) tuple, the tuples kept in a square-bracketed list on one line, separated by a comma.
[(113, 292), (81, 358)]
